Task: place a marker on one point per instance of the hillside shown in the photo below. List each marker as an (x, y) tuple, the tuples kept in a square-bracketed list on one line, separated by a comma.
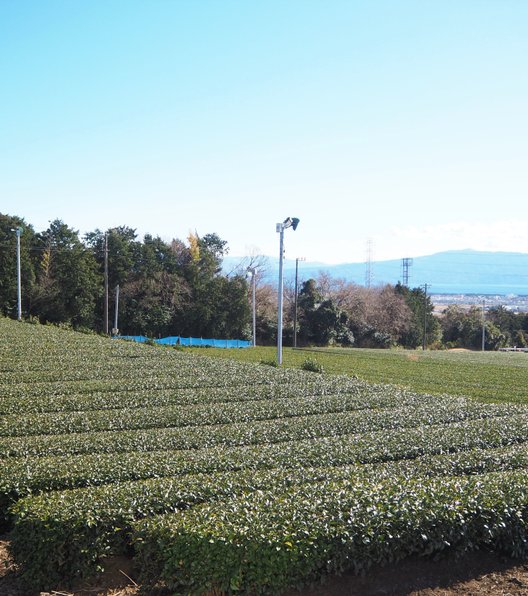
[(450, 272)]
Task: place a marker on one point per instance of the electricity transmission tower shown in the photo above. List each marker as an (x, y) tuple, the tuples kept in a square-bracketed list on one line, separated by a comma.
[(368, 265), (406, 264)]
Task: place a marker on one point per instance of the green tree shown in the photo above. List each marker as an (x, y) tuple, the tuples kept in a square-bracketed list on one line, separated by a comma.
[(422, 309), (123, 252), (156, 256), (68, 282), (218, 305), (321, 322), (507, 321), (151, 303), (520, 339), (463, 329), (156, 292)]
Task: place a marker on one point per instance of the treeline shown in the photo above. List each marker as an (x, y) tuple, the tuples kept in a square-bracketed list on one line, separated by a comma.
[(335, 311), (165, 289), (178, 288)]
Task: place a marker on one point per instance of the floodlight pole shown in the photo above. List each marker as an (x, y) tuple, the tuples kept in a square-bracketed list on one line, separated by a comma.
[(253, 272), (19, 276), (105, 315), (280, 227)]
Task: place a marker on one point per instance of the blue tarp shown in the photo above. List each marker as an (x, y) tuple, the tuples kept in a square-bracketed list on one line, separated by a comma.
[(191, 341), (138, 338), (168, 341)]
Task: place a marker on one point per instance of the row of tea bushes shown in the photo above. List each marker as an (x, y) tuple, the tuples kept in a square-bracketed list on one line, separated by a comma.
[(247, 432), (205, 414), (42, 400), (21, 476), (106, 447), (450, 409), (266, 541), (65, 535)]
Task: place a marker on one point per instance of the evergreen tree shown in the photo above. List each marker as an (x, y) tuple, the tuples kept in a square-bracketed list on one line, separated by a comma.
[(321, 322), (422, 309), (68, 281)]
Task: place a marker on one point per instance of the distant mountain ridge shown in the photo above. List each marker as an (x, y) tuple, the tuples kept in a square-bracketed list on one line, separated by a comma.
[(449, 272)]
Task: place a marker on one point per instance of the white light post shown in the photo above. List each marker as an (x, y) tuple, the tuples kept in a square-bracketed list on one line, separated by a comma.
[(105, 322), (19, 275), (253, 271), (292, 222), (115, 330)]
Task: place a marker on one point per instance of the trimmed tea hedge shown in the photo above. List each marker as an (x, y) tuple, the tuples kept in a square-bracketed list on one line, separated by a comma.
[(251, 432), (266, 541), (198, 414), (22, 476), (247, 478), (66, 535)]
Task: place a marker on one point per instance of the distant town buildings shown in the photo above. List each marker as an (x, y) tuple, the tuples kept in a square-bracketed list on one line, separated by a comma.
[(512, 302)]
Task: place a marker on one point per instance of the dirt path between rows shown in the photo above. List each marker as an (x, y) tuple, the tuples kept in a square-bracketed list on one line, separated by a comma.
[(476, 574)]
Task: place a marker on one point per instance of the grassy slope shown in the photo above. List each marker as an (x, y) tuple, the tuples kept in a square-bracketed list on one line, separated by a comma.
[(489, 376)]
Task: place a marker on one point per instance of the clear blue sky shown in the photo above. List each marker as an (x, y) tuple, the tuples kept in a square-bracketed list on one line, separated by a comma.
[(401, 121)]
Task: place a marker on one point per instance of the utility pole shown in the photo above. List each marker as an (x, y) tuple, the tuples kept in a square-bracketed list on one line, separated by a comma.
[(483, 327), (106, 284), (253, 272), (19, 276), (296, 296), (425, 319), (115, 330)]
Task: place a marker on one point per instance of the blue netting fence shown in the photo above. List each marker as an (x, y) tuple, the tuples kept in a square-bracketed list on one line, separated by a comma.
[(176, 340)]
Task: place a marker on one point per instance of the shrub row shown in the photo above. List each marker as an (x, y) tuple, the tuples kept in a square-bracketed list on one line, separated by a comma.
[(250, 432), (114, 398), (24, 475), (66, 535), (265, 541), (164, 416), (74, 371), (129, 383), (203, 414)]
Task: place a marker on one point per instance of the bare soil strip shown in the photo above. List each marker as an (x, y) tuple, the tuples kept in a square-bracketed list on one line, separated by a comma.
[(475, 574)]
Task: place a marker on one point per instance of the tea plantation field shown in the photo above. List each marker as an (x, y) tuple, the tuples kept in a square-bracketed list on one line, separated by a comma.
[(221, 477), (486, 376)]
